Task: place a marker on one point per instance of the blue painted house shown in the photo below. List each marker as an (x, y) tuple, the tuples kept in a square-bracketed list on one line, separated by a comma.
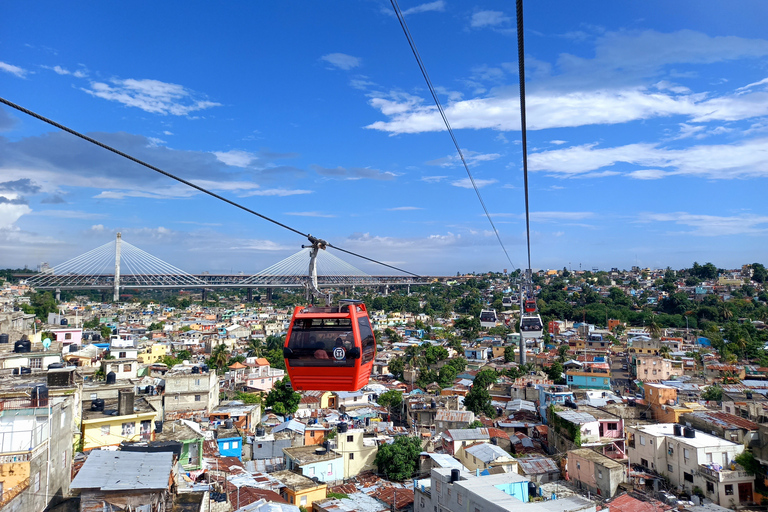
[(230, 442)]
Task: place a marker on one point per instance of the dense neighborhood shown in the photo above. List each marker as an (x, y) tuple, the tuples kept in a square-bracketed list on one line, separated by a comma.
[(647, 388)]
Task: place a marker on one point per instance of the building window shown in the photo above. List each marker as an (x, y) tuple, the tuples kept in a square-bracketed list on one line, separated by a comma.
[(351, 456), (234, 444), (122, 355), (642, 440), (261, 445), (729, 489), (126, 368), (644, 463), (303, 501), (613, 426), (37, 483), (449, 491), (330, 469), (225, 446), (578, 465), (669, 468), (197, 398), (128, 429), (68, 336), (105, 430), (311, 433), (710, 487), (687, 477), (686, 454), (36, 362), (599, 474), (459, 498), (197, 382), (437, 486), (350, 438)]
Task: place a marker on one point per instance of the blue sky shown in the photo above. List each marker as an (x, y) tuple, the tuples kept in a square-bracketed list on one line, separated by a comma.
[(648, 132)]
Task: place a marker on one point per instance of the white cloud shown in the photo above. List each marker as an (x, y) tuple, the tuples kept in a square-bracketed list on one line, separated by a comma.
[(433, 179), (471, 157), (342, 60), (404, 208), (467, 183), (236, 158), (151, 96), (69, 214), (725, 161), (764, 81), (14, 70), (279, 192), (78, 73), (439, 5), (489, 19), (311, 214), (712, 225)]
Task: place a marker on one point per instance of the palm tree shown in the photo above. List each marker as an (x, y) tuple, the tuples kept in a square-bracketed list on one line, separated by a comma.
[(727, 313), (219, 356), (664, 351), (255, 348), (654, 329)]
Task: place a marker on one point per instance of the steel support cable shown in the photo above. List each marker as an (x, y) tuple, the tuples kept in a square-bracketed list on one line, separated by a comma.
[(188, 183), (521, 68), (439, 105)]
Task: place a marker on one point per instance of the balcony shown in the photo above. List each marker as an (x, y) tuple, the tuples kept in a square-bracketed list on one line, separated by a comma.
[(724, 475)]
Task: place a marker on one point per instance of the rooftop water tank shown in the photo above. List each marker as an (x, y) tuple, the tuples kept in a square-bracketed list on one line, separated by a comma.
[(455, 475), (4, 338), (40, 395), (228, 423), (111, 378), (689, 432), (22, 345), (677, 429)]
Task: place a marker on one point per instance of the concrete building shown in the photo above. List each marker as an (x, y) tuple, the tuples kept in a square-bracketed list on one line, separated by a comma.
[(459, 491), (357, 451), (314, 462), (32, 432), (484, 456), (125, 481), (588, 427), (125, 419), (691, 458), (299, 490), (721, 424), (189, 395), (653, 367), (596, 473)]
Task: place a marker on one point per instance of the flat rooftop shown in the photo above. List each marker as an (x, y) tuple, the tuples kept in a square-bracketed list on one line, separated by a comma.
[(140, 405), (701, 440)]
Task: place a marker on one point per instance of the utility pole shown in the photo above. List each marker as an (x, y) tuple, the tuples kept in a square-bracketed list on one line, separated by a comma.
[(116, 296)]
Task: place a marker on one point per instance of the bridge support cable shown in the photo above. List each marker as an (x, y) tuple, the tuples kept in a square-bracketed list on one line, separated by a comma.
[(185, 182), (116, 264)]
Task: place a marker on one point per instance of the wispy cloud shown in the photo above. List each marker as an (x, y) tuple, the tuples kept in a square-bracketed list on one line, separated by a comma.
[(433, 179), (404, 208), (353, 173), (14, 70), (342, 60), (712, 225), (489, 19), (311, 214), (69, 214), (78, 73), (279, 192), (151, 96), (466, 183), (471, 157), (725, 161)]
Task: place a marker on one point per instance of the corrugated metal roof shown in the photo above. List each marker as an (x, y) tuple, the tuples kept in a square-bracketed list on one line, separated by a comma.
[(454, 416), (576, 417), (124, 471), (535, 466), (468, 434), (487, 452), (445, 461), (725, 420)]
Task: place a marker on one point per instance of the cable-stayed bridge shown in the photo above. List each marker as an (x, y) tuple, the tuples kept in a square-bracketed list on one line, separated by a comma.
[(119, 265)]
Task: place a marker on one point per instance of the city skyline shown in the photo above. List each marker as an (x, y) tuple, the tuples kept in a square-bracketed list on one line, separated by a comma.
[(647, 133)]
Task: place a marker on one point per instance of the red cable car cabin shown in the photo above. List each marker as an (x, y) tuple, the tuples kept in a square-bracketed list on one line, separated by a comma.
[(330, 348), (530, 305)]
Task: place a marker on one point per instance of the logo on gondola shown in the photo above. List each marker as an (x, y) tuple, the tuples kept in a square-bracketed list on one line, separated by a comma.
[(339, 353)]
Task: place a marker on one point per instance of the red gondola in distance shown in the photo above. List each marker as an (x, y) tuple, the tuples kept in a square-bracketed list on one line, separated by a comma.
[(330, 348)]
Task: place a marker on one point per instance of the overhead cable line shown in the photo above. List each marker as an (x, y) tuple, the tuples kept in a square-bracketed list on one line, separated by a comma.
[(521, 68), (187, 183), (423, 69)]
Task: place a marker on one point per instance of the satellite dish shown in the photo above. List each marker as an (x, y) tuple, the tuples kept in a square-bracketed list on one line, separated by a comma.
[(46, 343)]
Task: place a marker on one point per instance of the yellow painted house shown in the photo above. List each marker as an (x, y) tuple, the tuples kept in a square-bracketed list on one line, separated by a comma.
[(153, 353), (300, 490), (133, 422)]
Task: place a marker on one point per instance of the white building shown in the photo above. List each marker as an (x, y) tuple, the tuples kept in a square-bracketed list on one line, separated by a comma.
[(691, 458)]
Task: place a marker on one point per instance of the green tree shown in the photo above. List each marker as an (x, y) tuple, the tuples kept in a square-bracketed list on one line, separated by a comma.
[(399, 460), (509, 354), (478, 400), (713, 393), (219, 357), (248, 398), (485, 378), (555, 372), (446, 376), (283, 399), (396, 367), (459, 363), (475, 424), (562, 352)]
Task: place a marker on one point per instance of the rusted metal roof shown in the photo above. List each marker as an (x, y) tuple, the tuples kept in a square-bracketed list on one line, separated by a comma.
[(725, 420), (401, 498)]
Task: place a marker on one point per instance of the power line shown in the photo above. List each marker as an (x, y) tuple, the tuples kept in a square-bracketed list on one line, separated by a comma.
[(521, 67), (423, 69), (185, 182)]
